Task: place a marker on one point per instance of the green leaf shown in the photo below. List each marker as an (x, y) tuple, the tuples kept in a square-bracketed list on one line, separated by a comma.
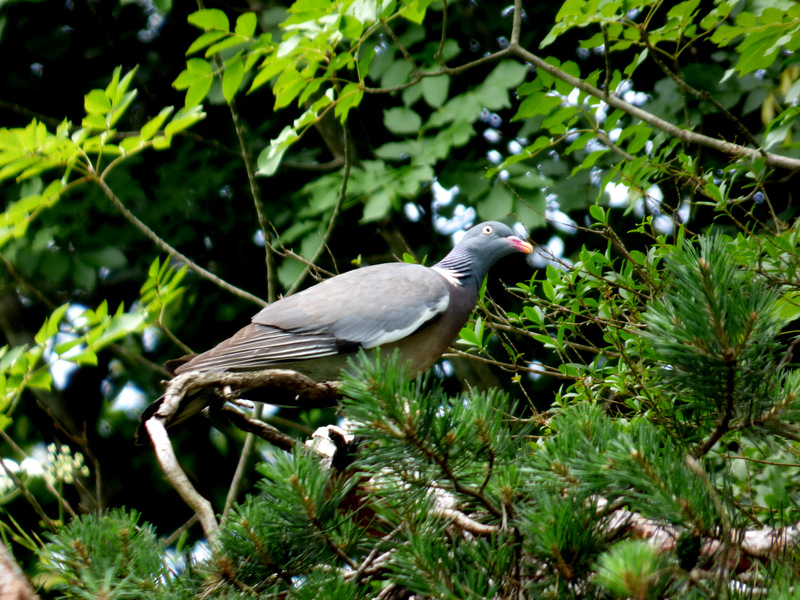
[(109, 256), (396, 74), (232, 78), (206, 39), (210, 18), (151, 127), (507, 74), (246, 24), (50, 327), (497, 204), (197, 92), (401, 120), (229, 42), (183, 119), (40, 379), (270, 158), (415, 10), (435, 90), (537, 104), (597, 213), (290, 83), (351, 96), (196, 79), (377, 206), (84, 357), (759, 49), (97, 103)]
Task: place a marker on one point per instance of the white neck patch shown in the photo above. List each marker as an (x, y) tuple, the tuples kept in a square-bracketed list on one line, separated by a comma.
[(449, 274)]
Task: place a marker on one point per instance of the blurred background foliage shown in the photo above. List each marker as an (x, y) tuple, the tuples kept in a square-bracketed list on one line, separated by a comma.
[(300, 144)]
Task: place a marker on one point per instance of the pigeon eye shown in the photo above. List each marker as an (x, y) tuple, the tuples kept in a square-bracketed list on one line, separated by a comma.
[(487, 229)]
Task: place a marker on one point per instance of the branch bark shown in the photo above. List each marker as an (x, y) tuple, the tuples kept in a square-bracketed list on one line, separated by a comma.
[(181, 401), (164, 246), (690, 137)]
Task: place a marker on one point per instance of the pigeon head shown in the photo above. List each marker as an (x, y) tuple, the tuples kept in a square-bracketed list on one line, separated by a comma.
[(481, 247)]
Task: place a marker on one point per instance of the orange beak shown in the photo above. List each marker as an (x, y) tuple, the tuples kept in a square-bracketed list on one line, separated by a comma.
[(520, 245)]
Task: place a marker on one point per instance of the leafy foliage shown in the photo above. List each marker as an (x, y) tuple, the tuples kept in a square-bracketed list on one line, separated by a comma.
[(640, 383)]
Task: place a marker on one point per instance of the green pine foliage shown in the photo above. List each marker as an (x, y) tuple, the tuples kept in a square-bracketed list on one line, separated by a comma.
[(541, 501), (108, 555), (715, 334)]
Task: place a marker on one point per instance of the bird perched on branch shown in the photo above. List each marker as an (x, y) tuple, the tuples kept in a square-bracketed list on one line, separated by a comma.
[(415, 309)]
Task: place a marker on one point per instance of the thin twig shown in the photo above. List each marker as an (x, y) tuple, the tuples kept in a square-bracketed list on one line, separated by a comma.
[(175, 475), (403, 50), (727, 538), (334, 215), (179, 531), (761, 462), (258, 428), (172, 251), (489, 58), (372, 556), (438, 56), (244, 458), (728, 148), (255, 192)]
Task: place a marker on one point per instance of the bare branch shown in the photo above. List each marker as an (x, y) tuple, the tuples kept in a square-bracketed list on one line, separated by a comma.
[(348, 161), (470, 525), (164, 246), (255, 192), (175, 475), (176, 401), (256, 427), (728, 148)]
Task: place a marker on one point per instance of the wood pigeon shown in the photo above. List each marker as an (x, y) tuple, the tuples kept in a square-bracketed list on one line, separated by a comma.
[(415, 309)]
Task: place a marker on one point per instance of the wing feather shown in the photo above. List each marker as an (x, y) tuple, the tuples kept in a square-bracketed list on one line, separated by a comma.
[(366, 308)]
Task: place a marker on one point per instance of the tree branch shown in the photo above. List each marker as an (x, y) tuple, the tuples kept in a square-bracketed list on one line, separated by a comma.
[(178, 479), (164, 246), (229, 386), (348, 161), (774, 160), (255, 192), (255, 427)]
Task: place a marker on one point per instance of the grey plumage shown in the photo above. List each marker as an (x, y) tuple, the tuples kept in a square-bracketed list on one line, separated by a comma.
[(418, 310)]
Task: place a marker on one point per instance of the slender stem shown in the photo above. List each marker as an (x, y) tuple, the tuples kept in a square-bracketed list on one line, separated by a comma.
[(172, 251), (438, 56), (489, 58), (255, 192), (728, 148), (244, 457), (169, 464), (403, 50), (701, 94), (334, 215)]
